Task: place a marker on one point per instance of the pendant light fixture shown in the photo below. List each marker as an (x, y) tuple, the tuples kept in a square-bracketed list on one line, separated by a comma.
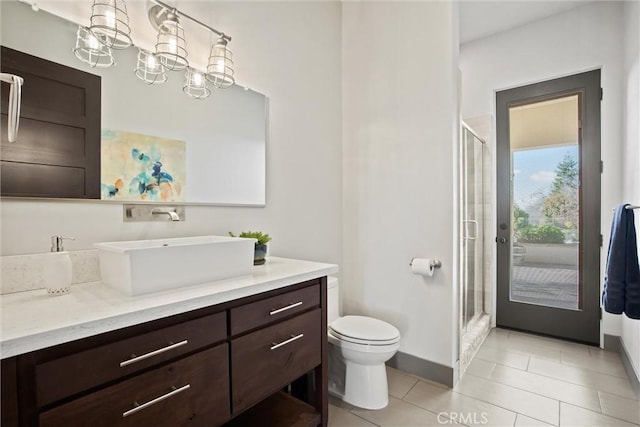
[(110, 23), (195, 84), (220, 68), (171, 46), (90, 50), (110, 29), (149, 69)]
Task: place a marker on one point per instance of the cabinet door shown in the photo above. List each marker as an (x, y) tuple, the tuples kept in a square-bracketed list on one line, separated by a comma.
[(57, 153), (267, 360), (9, 395), (193, 391)]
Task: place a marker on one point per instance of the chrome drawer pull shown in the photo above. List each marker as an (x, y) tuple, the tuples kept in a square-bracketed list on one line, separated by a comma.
[(156, 400), (152, 353), (289, 307), (292, 339)]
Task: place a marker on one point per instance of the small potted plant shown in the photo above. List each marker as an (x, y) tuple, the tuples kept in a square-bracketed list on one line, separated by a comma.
[(260, 250)]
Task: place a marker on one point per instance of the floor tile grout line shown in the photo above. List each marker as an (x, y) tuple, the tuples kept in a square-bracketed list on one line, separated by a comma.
[(409, 391), (605, 415), (543, 376), (556, 378), (362, 418), (520, 351), (408, 403), (503, 407), (555, 342), (560, 413), (511, 410), (577, 353), (528, 391), (595, 371), (370, 422), (613, 362), (473, 398), (582, 385), (606, 355), (509, 350), (497, 363), (420, 407), (588, 371), (599, 401)]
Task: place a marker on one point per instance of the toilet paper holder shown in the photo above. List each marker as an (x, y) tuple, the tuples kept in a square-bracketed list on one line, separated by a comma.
[(435, 263)]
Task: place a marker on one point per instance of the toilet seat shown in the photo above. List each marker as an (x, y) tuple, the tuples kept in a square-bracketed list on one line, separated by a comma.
[(364, 330)]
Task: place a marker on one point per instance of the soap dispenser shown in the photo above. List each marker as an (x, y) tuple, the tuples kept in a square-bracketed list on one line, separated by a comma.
[(57, 268)]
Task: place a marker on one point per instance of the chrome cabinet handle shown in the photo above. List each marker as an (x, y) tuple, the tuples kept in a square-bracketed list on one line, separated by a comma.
[(136, 359), (289, 307), (292, 339), (139, 407)]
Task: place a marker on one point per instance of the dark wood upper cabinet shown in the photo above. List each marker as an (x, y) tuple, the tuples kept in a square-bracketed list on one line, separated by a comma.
[(57, 152)]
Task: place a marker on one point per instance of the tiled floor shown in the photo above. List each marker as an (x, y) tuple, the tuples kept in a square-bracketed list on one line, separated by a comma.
[(516, 379)]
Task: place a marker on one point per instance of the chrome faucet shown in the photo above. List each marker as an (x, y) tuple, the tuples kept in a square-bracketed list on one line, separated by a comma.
[(145, 212), (173, 215)]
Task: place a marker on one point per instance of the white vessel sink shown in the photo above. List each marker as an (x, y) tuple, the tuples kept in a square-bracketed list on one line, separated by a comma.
[(143, 266)]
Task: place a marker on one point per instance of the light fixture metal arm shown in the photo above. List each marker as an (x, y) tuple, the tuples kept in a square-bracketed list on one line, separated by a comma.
[(184, 15)]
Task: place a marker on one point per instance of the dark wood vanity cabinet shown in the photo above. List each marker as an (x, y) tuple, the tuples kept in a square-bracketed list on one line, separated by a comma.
[(225, 363), (9, 392)]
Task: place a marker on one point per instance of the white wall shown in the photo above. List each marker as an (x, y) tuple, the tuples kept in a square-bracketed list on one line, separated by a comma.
[(400, 133), (291, 52), (631, 167), (580, 39)]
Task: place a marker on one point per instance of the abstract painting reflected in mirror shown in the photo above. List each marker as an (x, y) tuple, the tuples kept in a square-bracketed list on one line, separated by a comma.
[(137, 167)]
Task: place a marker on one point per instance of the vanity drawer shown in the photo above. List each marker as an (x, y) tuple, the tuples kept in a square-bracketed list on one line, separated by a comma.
[(265, 311), (63, 377), (191, 391), (264, 361)]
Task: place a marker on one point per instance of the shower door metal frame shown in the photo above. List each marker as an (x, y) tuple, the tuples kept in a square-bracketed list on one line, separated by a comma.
[(464, 227)]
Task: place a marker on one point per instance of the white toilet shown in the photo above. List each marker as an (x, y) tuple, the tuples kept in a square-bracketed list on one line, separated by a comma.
[(360, 347)]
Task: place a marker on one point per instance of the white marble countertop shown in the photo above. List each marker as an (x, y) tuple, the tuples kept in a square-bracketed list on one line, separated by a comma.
[(33, 320)]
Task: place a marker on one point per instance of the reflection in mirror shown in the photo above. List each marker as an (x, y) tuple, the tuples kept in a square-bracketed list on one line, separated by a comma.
[(224, 135)]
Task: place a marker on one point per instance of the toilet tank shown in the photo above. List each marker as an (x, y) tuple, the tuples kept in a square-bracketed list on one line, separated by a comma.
[(333, 299)]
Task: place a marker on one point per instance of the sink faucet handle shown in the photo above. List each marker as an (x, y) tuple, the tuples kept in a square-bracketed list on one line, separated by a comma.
[(56, 243)]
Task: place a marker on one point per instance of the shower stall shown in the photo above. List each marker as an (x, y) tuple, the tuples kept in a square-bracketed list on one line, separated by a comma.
[(474, 324)]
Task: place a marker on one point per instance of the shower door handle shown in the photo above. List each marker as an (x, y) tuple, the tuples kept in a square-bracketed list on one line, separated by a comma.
[(474, 224)]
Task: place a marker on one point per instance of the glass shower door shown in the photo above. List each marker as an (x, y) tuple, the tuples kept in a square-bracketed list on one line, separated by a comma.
[(472, 216)]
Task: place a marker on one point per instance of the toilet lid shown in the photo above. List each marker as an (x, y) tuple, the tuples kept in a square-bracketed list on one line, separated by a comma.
[(363, 328)]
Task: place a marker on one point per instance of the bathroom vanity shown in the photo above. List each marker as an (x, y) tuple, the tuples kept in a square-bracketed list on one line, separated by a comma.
[(244, 351)]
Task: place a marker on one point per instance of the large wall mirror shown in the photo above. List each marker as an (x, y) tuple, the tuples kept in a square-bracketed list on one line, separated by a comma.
[(224, 135)]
